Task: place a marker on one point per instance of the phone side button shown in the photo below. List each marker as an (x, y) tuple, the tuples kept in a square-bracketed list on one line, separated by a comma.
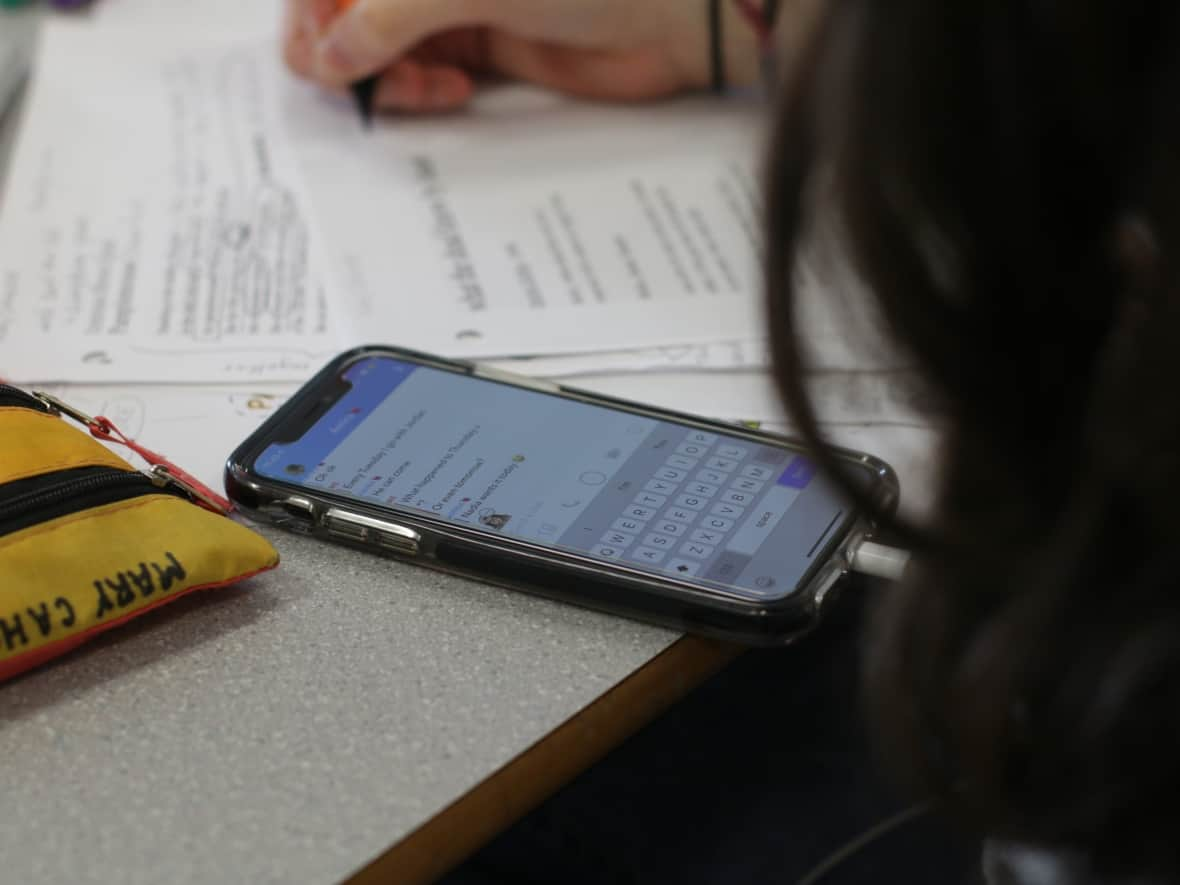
[(387, 535), (298, 507)]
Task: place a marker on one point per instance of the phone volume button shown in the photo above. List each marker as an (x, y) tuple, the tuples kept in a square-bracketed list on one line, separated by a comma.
[(298, 507), (377, 532)]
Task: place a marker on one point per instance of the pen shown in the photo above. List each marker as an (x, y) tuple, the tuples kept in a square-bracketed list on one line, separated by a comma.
[(364, 91), (60, 4)]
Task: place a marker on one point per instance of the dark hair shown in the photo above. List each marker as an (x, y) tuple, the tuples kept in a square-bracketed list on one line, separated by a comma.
[(1005, 177)]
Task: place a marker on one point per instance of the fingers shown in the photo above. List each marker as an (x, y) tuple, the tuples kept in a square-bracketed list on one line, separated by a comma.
[(428, 51), (417, 87), (303, 21), (296, 41), (372, 34), (436, 75)]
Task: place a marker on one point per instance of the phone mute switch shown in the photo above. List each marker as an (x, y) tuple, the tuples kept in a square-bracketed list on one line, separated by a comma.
[(369, 530), (301, 510)]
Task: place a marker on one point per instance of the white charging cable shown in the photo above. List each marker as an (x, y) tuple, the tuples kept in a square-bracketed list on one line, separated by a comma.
[(880, 561)]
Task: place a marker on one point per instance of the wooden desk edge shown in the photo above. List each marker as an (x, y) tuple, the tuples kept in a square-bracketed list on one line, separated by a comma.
[(505, 796)]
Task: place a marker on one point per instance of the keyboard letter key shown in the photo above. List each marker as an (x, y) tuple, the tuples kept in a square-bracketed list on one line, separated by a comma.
[(649, 555), (647, 499), (668, 527), (745, 484), (735, 453), (696, 551), (757, 471), (643, 514), (727, 510), (670, 474), (618, 539)]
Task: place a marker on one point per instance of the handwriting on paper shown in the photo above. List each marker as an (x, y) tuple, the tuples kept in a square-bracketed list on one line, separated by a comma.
[(176, 228)]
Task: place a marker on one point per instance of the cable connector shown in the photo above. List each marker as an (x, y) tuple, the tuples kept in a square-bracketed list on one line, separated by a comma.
[(880, 561)]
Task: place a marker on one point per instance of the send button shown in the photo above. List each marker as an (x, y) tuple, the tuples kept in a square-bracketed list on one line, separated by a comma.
[(798, 473)]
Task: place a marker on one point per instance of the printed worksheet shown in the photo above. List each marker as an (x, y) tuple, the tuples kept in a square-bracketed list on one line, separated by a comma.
[(154, 225), (536, 224), (222, 220)]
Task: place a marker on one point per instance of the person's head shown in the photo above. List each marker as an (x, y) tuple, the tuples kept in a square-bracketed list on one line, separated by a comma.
[(1006, 179)]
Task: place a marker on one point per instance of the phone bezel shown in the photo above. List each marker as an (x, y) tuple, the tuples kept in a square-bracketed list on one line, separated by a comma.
[(594, 582)]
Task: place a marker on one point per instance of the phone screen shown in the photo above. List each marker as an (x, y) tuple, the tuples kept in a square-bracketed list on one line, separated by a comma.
[(655, 495)]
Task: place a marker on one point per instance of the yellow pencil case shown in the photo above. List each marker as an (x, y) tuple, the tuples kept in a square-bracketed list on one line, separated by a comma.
[(87, 542)]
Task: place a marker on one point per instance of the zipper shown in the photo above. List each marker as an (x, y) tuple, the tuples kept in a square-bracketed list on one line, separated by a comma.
[(38, 499), (163, 476), (163, 472), (14, 396)]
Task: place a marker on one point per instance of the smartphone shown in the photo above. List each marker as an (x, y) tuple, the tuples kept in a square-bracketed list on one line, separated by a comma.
[(700, 525)]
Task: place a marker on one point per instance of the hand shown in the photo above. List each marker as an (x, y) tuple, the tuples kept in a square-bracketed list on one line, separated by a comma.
[(429, 53)]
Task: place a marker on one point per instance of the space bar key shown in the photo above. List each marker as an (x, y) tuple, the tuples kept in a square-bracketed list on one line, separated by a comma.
[(762, 521)]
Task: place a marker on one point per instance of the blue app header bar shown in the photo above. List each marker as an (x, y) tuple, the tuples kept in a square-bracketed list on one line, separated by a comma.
[(372, 380)]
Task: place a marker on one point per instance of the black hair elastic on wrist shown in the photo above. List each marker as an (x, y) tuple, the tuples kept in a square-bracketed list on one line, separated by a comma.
[(716, 48), (770, 13)]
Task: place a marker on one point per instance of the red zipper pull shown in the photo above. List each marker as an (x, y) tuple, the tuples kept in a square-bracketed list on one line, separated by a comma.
[(163, 470)]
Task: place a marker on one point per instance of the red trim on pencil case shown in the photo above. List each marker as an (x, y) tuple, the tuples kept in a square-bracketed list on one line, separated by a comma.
[(104, 429), (27, 661)]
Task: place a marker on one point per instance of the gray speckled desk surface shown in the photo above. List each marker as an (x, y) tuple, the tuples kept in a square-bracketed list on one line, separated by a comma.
[(289, 730), (292, 729)]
